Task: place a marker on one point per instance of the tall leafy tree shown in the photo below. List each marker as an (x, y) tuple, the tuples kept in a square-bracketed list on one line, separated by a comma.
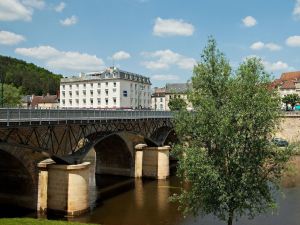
[(291, 99), (224, 152), (176, 104), (11, 95)]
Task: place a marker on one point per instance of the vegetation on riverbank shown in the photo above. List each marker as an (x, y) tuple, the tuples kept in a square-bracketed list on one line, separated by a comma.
[(30, 221)]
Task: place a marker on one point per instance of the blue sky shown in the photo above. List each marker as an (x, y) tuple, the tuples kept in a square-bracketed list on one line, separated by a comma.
[(161, 39)]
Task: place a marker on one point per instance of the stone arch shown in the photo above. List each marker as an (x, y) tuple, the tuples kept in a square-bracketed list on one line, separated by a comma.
[(114, 155), (19, 173), (164, 135)]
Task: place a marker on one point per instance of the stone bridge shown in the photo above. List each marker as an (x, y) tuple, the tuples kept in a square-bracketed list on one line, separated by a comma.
[(36, 142)]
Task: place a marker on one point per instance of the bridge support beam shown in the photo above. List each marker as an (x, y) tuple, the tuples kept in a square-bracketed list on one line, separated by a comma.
[(155, 163), (64, 189)]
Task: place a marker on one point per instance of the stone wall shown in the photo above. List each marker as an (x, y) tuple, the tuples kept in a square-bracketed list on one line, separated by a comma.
[(290, 128)]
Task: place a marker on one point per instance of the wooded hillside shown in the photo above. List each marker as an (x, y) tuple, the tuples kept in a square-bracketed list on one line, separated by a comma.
[(32, 79)]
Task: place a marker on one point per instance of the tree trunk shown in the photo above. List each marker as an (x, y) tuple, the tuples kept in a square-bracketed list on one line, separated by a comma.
[(230, 218)]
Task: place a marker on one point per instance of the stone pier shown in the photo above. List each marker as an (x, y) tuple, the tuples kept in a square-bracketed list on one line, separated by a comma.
[(63, 189), (155, 161)]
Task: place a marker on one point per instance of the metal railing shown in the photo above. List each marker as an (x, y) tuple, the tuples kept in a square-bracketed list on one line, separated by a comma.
[(21, 115)]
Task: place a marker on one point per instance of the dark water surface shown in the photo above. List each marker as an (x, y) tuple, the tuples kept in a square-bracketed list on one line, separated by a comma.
[(146, 202)]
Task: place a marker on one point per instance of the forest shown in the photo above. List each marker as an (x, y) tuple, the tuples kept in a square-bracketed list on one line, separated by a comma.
[(28, 77)]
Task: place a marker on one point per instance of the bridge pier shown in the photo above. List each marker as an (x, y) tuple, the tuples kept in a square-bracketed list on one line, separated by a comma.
[(63, 189), (154, 161)]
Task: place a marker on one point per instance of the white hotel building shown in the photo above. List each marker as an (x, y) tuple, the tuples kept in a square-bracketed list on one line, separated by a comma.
[(112, 88)]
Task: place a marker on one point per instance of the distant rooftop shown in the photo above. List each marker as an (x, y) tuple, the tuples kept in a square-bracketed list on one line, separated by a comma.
[(109, 73), (177, 88)]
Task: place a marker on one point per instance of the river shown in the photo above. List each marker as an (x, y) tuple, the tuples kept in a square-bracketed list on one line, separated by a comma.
[(146, 202)]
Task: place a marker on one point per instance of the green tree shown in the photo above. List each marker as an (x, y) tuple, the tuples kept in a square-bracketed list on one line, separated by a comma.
[(11, 95), (224, 152), (291, 99), (176, 104)]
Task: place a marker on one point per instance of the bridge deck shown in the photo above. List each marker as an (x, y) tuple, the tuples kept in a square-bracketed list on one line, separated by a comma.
[(20, 116)]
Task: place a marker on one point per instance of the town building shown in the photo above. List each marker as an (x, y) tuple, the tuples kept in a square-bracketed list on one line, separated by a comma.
[(287, 83), (40, 102), (112, 89), (158, 99), (162, 96)]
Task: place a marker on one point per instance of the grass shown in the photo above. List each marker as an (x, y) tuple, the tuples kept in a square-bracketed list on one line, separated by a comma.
[(29, 221)]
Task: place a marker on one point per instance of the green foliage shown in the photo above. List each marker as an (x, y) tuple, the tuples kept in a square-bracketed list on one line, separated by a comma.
[(29, 221), (176, 104), (32, 79), (11, 95), (291, 99), (225, 152)]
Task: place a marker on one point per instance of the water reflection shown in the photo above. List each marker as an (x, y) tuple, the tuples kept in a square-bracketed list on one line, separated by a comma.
[(147, 203)]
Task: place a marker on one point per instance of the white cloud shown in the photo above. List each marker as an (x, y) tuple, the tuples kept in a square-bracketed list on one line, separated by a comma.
[(166, 58), (257, 45), (55, 59), (41, 52), (270, 46), (60, 7), (296, 11), (172, 27), (276, 66), (249, 21), (165, 77), (121, 55), (69, 21), (11, 10), (9, 38), (38, 4), (293, 41)]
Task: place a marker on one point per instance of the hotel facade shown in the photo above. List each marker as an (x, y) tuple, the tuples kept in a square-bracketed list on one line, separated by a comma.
[(110, 89)]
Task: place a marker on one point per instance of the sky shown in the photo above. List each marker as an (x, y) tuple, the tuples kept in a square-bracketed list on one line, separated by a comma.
[(160, 39)]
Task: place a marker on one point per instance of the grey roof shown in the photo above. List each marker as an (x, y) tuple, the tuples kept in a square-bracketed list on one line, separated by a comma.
[(177, 88)]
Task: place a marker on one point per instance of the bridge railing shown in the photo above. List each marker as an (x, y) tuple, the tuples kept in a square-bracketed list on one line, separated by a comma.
[(20, 115)]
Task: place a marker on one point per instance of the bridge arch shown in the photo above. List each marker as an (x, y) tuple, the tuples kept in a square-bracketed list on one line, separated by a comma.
[(114, 154), (19, 176), (164, 135)]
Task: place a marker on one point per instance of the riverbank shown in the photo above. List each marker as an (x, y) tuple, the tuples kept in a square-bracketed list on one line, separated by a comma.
[(30, 221)]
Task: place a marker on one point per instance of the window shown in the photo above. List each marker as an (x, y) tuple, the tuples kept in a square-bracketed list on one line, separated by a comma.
[(63, 87), (106, 84), (63, 101), (70, 101), (115, 101), (124, 93), (77, 85), (91, 100), (99, 100), (106, 101), (84, 92), (99, 91), (92, 92), (84, 101), (106, 92), (84, 85), (91, 84), (77, 93), (161, 100), (70, 93), (77, 101), (114, 90), (99, 85), (70, 86), (115, 84), (63, 93)]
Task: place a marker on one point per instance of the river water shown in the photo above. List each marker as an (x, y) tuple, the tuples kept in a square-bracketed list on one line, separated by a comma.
[(146, 202), (125, 201)]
